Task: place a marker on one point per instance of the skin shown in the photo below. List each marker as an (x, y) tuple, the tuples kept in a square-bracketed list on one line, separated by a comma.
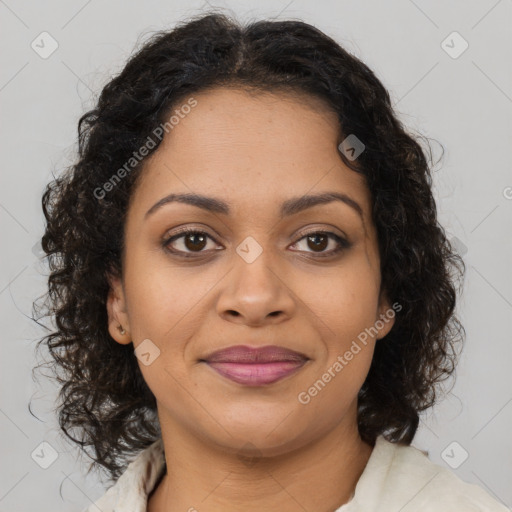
[(253, 151)]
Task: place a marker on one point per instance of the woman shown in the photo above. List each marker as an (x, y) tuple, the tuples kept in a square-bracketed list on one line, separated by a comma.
[(254, 298)]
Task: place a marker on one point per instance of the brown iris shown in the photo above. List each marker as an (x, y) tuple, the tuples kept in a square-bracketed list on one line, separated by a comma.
[(318, 245), (198, 241)]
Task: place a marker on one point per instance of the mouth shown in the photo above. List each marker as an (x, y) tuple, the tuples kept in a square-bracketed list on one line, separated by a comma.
[(255, 366)]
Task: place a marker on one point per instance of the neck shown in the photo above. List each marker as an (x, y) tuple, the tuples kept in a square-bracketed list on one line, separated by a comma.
[(321, 476)]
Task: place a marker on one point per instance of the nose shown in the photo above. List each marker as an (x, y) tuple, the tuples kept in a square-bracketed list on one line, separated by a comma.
[(256, 294)]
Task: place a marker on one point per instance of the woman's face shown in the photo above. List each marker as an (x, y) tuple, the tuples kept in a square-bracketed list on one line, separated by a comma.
[(251, 276)]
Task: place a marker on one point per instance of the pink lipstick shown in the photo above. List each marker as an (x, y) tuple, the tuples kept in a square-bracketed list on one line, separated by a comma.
[(255, 366)]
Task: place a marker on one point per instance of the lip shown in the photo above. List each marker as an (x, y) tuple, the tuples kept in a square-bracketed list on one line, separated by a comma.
[(255, 366)]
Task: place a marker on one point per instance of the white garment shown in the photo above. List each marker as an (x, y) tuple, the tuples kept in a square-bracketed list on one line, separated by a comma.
[(396, 478)]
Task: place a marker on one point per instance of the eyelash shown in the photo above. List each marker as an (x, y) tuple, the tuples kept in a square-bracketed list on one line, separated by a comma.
[(343, 243)]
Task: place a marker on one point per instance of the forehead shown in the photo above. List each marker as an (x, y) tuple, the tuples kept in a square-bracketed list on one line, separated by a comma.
[(251, 148), (239, 121)]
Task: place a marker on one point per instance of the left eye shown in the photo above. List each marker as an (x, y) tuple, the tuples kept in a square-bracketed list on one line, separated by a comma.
[(319, 240)]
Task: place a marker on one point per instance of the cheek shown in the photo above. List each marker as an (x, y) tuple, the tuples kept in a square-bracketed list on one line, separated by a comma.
[(345, 313), (344, 304), (163, 299)]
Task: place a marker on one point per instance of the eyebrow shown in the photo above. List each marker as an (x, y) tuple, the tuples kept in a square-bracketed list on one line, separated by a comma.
[(289, 207)]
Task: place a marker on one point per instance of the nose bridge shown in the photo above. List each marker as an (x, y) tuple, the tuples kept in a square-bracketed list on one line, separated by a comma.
[(255, 289), (253, 272)]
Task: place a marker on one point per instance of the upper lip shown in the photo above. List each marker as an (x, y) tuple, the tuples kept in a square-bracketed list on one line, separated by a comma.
[(246, 354)]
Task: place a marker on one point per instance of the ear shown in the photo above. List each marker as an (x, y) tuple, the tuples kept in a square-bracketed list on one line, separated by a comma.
[(385, 315), (117, 315)]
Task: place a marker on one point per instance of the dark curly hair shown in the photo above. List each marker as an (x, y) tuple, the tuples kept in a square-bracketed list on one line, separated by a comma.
[(103, 396)]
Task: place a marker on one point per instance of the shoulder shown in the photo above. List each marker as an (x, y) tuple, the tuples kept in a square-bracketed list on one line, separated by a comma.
[(130, 492), (409, 481), (432, 485)]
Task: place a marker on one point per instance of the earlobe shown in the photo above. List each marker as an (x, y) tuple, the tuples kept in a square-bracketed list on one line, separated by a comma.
[(118, 324), (386, 316)]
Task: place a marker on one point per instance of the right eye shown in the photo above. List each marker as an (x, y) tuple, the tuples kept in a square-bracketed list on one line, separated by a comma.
[(191, 241)]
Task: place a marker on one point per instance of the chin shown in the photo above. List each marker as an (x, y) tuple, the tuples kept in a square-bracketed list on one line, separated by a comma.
[(273, 436)]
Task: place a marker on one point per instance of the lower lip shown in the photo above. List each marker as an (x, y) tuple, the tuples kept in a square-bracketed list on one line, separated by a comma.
[(256, 374)]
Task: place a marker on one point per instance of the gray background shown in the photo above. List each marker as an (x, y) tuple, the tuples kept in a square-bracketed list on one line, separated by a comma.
[(465, 103)]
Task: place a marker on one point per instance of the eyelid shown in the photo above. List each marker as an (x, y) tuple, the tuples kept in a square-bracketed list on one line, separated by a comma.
[(325, 228), (187, 229), (303, 232)]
